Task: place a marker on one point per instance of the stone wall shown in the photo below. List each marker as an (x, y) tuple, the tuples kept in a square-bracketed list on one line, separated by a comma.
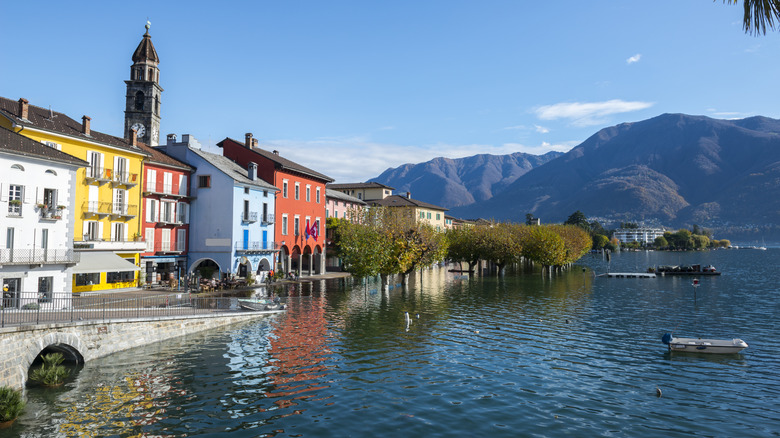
[(19, 346)]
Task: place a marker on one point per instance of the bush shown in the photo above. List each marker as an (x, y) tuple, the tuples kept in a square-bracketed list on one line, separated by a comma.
[(11, 403), (31, 306), (52, 372)]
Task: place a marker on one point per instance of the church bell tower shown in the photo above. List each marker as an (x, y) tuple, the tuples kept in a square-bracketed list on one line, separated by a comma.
[(142, 104)]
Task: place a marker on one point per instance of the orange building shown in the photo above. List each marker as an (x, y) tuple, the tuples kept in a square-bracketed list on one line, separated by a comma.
[(300, 205)]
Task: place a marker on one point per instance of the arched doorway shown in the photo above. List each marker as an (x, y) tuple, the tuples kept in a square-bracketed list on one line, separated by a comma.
[(295, 259)]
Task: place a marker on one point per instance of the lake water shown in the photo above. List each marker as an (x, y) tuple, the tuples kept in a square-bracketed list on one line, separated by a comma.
[(521, 355)]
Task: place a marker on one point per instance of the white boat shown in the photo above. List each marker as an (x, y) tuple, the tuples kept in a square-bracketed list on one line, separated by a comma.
[(699, 345), (260, 304)]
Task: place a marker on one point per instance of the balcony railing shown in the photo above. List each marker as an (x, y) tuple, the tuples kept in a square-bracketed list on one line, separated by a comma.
[(167, 247), (96, 208), (268, 218), (165, 190), (94, 238), (99, 174), (169, 221), (249, 216), (125, 178), (51, 214), (249, 247), (38, 256), (126, 210)]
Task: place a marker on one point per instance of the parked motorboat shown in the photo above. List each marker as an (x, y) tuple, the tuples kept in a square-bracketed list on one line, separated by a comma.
[(260, 304), (685, 270), (699, 345)]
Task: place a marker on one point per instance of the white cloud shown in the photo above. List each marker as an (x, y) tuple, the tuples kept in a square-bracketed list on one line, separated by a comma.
[(541, 129), (634, 58), (588, 113), (357, 159)]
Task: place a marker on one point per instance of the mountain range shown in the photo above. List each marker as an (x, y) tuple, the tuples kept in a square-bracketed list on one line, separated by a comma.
[(673, 170)]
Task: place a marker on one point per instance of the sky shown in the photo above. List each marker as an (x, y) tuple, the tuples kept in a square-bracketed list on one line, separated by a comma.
[(352, 88)]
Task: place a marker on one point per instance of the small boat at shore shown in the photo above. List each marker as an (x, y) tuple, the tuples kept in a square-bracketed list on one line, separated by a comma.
[(256, 304), (685, 270), (699, 345)]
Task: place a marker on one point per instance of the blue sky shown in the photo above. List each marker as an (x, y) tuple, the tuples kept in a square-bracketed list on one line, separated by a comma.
[(351, 88)]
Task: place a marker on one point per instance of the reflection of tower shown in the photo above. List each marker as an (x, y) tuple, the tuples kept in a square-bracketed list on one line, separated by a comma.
[(142, 101)]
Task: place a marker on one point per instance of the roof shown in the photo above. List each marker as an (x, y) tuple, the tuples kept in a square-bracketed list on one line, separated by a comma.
[(335, 194), (284, 163), (53, 121), (18, 144), (159, 157), (365, 185), (403, 201), (145, 51), (233, 170)]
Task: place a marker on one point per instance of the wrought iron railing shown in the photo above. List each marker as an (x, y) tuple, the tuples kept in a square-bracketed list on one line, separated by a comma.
[(38, 256), (242, 246), (15, 311)]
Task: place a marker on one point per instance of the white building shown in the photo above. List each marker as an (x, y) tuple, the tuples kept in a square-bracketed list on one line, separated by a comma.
[(644, 235), (37, 205)]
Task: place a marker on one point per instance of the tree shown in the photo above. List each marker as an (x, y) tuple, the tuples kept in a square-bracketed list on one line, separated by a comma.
[(578, 218), (577, 242), (600, 241), (463, 245), (660, 242), (544, 246), (758, 15)]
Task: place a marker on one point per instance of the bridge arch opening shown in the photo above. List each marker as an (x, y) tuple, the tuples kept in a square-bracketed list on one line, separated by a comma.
[(74, 361)]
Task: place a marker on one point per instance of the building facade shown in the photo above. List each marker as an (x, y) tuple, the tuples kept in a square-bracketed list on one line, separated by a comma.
[(423, 211), (37, 209), (142, 99), (643, 235), (338, 204), (364, 191), (300, 204), (165, 220), (106, 226), (231, 229)]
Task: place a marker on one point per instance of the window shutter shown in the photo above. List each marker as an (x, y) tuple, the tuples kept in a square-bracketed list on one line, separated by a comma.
[(148, 211), (100, 230)]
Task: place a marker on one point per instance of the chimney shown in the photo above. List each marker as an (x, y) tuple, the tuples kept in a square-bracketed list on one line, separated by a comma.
[(255, 142), (276, 152), (248, 142), (23, 108), (170, 139), (252, 171), (408, 195), (133, 137), (85, 125)]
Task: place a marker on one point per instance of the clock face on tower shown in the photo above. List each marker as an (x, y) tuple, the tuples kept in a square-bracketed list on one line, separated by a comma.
[(140, 129)]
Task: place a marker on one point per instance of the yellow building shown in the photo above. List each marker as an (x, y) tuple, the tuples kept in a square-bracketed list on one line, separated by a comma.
[(423, 211), (106, 233)]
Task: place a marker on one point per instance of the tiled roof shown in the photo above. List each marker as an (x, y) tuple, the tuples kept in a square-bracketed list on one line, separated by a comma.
[(233, 170), (159, 157), (17, 144), (335, 194), (366, 185), (284, 163), (403, 201), (52, 121)]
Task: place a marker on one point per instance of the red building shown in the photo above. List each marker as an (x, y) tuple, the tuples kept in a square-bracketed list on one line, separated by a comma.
[(165, 217), (300, 205)]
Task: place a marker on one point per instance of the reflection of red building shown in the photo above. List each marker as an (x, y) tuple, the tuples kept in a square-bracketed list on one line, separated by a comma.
[(299, 205), (298, 353), (165, 216)]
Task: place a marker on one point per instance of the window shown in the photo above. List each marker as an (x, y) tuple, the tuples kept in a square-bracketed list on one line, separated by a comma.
[(265, 193), (120, 277), (118, 232), (139, 101), (284, 224), (327, 212), (151, 180), (284, 189), (121, 173), (246, 210), (297, 225), (167, 210), (50, 199), (167, 182), (308, 193), (429, 215), (246, 190), (95, 168), (149, 234), (44, 289), (297, 191), (87, 279), (318, 195), (9, 238), (183, 213), (438, 216), (15, 193), (92, 231), (204, 181)]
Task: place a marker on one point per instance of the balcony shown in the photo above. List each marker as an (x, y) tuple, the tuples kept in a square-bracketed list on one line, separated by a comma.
[(96, 242), (164, 191), (38, 256), (167, 248), (125, 211), (255, 247), (96, 208), (169, 221), (249, 217), (124, 178), (268, 218), (49, 213), (98, 174)]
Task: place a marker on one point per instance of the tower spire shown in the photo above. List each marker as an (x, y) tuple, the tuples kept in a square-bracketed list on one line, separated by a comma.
[(142, 107)]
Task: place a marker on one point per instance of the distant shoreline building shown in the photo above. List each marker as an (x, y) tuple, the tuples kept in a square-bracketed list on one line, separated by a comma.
[(644, 235)]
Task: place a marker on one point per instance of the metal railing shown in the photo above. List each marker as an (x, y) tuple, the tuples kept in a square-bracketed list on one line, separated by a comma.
[(16, 312), (249, 216), (242, 246), (125, 178), (268, 218), (38, 256)]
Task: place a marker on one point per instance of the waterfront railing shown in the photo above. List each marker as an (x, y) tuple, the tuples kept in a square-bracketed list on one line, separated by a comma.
[(109, 308)]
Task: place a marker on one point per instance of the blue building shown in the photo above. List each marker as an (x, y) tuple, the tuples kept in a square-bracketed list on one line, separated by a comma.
[(231, 225)]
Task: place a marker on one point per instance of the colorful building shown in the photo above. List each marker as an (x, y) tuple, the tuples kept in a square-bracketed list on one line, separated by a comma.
[(106, 225), (37, 203), (423, 211), (232, 225), (165, 221), (365, 191), (300, 206)]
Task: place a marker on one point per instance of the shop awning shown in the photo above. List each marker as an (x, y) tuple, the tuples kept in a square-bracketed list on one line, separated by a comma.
[(102, 261)]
